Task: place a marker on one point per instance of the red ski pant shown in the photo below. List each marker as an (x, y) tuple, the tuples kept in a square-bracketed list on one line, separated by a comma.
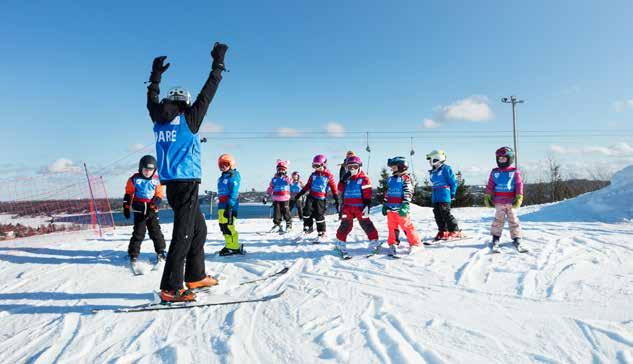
[(347, 223), (395, 221)]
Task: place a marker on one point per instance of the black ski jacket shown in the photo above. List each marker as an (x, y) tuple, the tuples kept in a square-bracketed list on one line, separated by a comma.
[(164, 112)]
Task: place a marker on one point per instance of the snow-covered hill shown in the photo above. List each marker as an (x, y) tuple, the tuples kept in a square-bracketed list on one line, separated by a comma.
[(568, 300), (613, 203)]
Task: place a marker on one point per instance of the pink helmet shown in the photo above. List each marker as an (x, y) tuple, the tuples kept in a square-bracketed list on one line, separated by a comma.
[(282, 164), (354, 160), (319, 159), (295, 173)]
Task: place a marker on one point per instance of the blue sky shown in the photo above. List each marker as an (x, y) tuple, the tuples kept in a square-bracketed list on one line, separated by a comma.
[(74, 92)]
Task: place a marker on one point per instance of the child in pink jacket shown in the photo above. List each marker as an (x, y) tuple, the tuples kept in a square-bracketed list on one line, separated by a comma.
[(505, 193), (279, 189)]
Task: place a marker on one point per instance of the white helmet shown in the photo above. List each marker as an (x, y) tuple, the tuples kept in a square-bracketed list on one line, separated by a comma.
[(179, 94), (436, 158)]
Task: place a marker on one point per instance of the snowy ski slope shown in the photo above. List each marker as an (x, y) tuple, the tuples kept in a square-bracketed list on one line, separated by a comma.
[(569, 300)]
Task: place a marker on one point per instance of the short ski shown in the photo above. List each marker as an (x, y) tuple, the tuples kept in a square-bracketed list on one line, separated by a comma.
[(519, 248), (210, 301), (343, 254), (284, 270), (137, 268)]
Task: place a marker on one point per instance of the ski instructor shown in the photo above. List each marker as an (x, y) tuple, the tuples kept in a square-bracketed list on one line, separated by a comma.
[(176, 125)]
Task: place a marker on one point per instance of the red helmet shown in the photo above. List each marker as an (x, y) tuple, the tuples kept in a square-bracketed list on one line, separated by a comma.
[(226, 160)]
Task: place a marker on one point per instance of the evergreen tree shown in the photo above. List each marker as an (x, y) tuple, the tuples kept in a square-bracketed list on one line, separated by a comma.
[(423, 194), (463, 196), (381, 191)]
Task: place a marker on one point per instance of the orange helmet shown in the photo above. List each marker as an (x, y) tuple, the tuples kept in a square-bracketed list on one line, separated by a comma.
[(226, 159)]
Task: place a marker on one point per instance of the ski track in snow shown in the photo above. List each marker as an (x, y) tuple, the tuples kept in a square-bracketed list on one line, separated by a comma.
[(567, 300)]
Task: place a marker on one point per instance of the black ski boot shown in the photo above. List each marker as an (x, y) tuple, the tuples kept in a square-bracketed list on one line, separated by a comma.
[(161, 257), (517, 244), (494, 245), (227, 251)]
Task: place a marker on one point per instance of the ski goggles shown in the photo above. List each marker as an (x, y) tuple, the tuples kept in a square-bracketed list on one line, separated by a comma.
[(503, 152), (317, 165), (353, 166)]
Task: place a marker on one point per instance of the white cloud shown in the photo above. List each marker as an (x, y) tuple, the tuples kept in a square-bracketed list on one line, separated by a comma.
[(62, 165), (211, 128), (430, 124), (620, 106), (559, 149), (288, 132), (621, 149), (473, 108), (136, 147), (335, 129)]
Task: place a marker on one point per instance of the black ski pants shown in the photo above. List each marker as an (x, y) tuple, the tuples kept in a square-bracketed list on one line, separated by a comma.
[(281, 210), (187, 241), (443, 217), (314, 209), (145, 222), (298, 204)]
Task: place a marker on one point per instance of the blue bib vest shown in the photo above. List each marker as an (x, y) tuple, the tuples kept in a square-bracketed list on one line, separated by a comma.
[(395, 192), (441, 179), (504, 181), (353, 194), (280, 184), (295, 187), (177, 151), (319, 186), (228, 190), (144, 188)]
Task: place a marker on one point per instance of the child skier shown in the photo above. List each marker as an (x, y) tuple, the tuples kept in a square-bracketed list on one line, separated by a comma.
[(356, 192), (295, 188), (279, 189), (318, 184), (176, 123), (396, 204), (143, 195), (505, 192), (444, 186), (228, 204)]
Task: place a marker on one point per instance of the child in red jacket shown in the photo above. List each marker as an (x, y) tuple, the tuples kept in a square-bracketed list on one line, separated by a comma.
[(356, 192)]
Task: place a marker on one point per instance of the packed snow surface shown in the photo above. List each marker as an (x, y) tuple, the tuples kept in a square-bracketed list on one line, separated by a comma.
[(568, 300)]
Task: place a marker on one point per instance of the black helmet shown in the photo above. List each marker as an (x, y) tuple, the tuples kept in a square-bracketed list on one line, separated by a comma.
[(148, 161), (401, 162)]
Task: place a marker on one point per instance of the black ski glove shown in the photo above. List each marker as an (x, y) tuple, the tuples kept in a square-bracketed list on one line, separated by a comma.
[(336, 204), (367, 205), (155, 203), (228, 215), (217, 53), (127, 199), (157, 69)]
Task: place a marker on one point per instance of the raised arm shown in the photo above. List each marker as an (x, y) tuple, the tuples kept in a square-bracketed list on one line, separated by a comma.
[(153, 90), (195, 114)]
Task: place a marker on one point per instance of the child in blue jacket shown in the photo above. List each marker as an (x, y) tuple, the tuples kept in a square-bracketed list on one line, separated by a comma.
[(444, 187), (228, 204)]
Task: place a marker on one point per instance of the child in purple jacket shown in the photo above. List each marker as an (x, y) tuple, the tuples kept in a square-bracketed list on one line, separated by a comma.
[(505, 192)]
